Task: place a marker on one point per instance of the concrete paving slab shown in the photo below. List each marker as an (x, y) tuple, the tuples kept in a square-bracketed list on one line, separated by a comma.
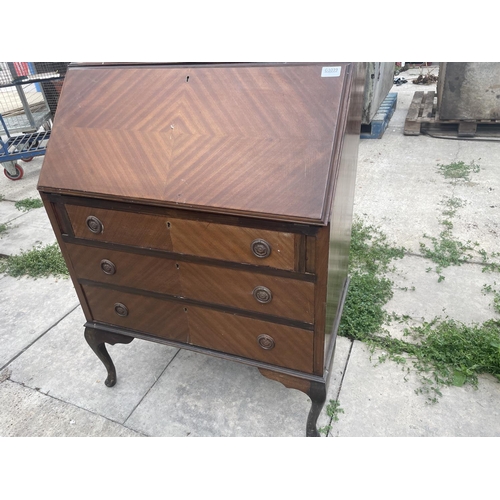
[(8, 212), (29, 308), (62, 365), (199, 395), (399, 187), (378, 402), (25, 187), (478, 220), (203, 396), (27, 231), (26, 412), (458, 296)]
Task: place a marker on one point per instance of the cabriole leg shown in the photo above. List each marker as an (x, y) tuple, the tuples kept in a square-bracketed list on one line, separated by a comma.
[(317, 393), (96, 340)]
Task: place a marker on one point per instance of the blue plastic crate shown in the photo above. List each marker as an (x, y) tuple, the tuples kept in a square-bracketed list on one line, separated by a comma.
[(376, 129)]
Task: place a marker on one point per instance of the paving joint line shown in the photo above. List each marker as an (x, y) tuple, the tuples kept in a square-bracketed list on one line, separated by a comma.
[(22, 384), (475, 262), (341, 382), (38, 338), (152, 385)]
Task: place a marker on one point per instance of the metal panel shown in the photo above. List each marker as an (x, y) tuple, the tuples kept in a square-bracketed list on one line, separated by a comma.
[(379, 81)]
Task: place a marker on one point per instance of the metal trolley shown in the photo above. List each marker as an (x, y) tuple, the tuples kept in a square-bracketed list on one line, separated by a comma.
[(29, 93), (21, 147)]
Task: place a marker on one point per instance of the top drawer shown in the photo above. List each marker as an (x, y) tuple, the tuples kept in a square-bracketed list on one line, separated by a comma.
[(184, 236)]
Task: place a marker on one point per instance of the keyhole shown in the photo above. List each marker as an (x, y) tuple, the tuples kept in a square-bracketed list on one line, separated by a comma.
[(187, 79)]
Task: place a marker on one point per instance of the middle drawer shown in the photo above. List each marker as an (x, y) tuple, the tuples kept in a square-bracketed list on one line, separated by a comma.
[(278, 296)]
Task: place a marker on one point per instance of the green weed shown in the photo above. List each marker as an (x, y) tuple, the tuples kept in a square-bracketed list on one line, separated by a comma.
[(333, 410), (442, 352), (36, 263), (452, 353), (28, 204), (488, 289), (459, 170), (446, 250), (369, 259)]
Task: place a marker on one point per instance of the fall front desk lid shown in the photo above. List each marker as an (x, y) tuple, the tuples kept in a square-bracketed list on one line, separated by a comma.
[(257, 140)]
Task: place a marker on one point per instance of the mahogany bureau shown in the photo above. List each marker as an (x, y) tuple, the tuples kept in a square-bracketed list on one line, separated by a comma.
[(209, 207)]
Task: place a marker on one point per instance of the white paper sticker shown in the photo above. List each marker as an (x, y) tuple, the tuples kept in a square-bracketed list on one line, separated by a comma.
[(330, 71)]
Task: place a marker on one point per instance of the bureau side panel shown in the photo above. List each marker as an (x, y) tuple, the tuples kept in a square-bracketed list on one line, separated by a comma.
[(317, 262), (343, 198)]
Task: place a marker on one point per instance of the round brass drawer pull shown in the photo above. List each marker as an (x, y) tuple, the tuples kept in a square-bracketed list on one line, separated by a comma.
[(94, 224), (121, 309), (265, 341), (262, 294), (108, 267), (261, 248)]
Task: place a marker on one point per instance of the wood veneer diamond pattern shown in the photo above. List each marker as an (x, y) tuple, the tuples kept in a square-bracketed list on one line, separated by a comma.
[(260, 138)]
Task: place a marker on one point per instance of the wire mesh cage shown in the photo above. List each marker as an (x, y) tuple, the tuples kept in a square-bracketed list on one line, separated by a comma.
[(29, 93)]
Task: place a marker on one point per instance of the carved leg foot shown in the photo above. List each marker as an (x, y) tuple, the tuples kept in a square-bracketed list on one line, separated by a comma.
[(96, 340), (317, 393)]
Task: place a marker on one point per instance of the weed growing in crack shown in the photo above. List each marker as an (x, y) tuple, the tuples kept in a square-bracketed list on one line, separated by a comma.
[(28, 204), (36, 263), (370, 258), (333, 410), (459, 170), (488, 289), (452, 353), (446, 250)]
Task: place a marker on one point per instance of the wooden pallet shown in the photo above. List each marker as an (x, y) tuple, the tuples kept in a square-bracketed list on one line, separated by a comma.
[(423, 116), (422, 110)]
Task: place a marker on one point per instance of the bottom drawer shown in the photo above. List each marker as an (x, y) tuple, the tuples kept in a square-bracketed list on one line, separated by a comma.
[(272, 343)]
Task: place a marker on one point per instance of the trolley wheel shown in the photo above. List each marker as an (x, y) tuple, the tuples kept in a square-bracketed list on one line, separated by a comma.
[(31, 145), (19, 173)]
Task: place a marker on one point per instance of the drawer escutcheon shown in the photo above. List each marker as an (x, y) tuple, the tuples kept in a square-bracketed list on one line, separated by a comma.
[(108, 267), (261, 248), (94, 224), (262, 294), (265, 341), (121, 309)]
